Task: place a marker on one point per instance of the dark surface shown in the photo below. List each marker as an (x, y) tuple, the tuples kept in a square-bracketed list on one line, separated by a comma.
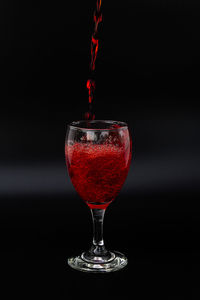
[(147, 75)]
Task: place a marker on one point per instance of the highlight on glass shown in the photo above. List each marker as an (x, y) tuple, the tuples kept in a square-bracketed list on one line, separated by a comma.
[(98, 156)]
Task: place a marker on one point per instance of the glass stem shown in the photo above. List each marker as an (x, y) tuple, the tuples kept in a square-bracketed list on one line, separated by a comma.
[(98, 253), (98, 247)]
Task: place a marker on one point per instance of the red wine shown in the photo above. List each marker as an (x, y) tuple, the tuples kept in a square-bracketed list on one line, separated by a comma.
[(98, 171), (94, 39), (91, 88), (94, 50)]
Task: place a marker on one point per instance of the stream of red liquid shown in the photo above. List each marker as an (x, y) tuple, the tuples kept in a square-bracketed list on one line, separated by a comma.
[(94, 50)]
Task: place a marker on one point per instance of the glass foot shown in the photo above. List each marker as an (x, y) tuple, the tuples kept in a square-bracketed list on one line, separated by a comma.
[(115, 263)]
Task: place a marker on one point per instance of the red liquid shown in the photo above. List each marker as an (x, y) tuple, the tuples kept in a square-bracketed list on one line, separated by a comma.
[(98, 171), (94, 50), (95, 40), (91, 88)]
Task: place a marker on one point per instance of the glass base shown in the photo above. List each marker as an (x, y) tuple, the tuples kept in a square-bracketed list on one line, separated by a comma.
[(115, 263)]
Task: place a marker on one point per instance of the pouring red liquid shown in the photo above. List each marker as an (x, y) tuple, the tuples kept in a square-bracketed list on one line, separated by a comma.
[(94, 50)]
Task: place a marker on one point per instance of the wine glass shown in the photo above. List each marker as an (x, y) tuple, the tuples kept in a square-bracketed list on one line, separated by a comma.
[(98, 156)]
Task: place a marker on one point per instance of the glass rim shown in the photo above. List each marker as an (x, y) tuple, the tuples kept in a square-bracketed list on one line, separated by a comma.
[(74, 125)]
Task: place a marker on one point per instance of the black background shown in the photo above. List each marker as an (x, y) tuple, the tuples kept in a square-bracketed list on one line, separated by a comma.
[(147, 74)]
